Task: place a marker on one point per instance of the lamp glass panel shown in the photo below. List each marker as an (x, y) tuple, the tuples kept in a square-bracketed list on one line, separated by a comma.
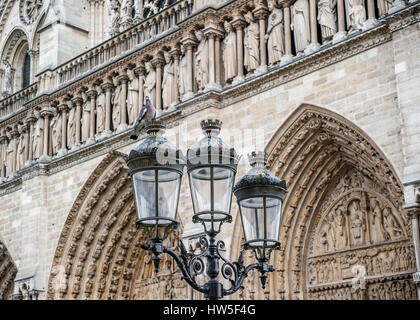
[(273, 216), (144, 190), (252, 211), (168, 193)]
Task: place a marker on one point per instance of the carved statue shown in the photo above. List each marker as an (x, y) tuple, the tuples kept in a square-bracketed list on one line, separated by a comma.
[(71, 128), (56, 136), (183, 72), (114, 14), (356, 14), (116, 104), (300, 25), (327, 18), (201, 61), (8, 85), (133, 96), (251, 43), (377, 229), (358, 225), (20, 163), (275, 33), (126, 9), (391, 225), (10, 157), (150, 83), (36, 139), (85, 121), (168, 82), (229, 53), (100, 110), (340, 228)]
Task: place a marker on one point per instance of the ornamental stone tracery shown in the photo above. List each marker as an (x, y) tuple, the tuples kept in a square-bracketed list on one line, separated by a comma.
[(29, 10), (8, 271), (342, 213)]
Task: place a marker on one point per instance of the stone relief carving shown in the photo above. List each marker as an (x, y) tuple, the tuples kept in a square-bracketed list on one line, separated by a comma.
[(38, 134), (132, 96), (300, 25), (201, 61), (275, 33), (114, 14), (230, 52), (251, 43), (327, 18), (20, 163), (71, 128)]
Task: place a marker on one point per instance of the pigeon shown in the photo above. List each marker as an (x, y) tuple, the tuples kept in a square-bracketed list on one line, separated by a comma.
[(147, 113)]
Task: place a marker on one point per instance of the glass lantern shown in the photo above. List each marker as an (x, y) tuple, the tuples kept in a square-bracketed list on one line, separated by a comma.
[(260, 196), (211, 169), (156, 167)]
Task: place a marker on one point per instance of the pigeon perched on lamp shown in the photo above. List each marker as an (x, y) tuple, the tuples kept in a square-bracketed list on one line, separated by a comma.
[(147, 113)]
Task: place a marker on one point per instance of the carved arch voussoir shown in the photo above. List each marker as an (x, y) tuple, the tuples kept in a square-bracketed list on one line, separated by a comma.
[(8, 271), (97, 255)]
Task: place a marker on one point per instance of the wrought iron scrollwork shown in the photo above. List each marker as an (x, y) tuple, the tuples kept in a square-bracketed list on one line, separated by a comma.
[(194, 265)]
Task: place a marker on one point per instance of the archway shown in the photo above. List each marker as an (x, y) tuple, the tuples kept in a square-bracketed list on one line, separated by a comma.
[(15, 62), (342, 214), (98, 256), (8, 273)]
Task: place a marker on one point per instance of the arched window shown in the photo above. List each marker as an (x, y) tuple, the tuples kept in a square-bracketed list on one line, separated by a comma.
[(26, 71)]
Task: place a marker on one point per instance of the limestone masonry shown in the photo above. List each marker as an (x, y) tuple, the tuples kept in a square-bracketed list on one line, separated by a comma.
[(329, 88)]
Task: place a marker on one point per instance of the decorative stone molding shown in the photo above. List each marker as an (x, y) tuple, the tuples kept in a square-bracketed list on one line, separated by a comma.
[(8, 273)]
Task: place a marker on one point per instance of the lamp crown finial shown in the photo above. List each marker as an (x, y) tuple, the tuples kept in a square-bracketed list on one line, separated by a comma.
[(258, 158), (155, 127), (211, 126)]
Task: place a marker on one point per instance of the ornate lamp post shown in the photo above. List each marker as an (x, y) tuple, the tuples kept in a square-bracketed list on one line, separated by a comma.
[(156, 167)]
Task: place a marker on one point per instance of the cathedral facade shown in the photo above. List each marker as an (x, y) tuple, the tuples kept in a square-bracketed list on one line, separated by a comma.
[(328, 88)]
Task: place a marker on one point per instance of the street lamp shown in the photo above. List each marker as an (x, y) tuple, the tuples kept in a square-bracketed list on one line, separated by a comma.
[(156, 167)]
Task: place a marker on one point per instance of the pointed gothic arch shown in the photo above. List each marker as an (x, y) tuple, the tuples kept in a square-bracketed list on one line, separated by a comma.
[(98, 256), (8, 271), (343, 208)]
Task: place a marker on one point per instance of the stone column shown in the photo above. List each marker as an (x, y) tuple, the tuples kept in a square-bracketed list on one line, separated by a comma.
[(218, 58), (342, 33), (371, 21), (107, 87), (261, 13), (314, 45), (34, 57), (239, 23), (30, 120), (287, 35), (15, 135), (63, 109), (46, 113), (123, 78), (158, 62), (413, 211), (78, 116), (92, 93), (3, 143), (189, 44), (211, 32), (175, 53)]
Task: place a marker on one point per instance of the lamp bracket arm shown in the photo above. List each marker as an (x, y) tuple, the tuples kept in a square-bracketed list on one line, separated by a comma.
[(183, 262)]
